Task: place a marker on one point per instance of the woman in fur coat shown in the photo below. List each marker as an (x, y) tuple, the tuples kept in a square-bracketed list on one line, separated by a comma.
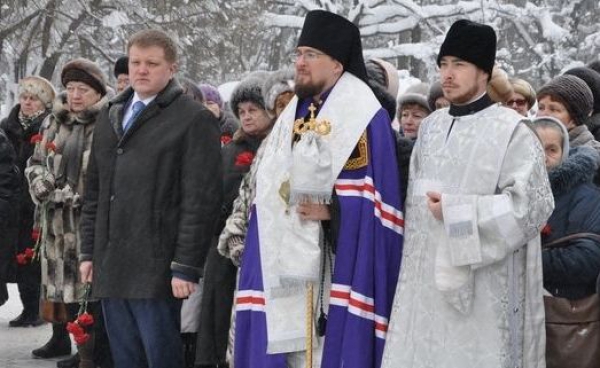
[(56, 174)]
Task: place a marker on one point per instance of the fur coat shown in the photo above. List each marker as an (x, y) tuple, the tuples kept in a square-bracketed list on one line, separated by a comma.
[(59, 162)]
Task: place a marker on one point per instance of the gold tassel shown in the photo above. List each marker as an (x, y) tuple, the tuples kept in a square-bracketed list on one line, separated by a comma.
[(309, 324)]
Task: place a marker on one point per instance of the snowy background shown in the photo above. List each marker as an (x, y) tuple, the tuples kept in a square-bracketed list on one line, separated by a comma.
[(222, 40)]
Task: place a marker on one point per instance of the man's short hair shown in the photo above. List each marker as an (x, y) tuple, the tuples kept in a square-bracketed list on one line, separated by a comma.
[(155, 37)]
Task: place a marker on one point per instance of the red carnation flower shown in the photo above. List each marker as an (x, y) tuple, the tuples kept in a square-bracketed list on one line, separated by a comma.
[(21, 259), (85, 319), (225, 138), (75, 329), (36, 138), (547, 230), (244, 159), (81, 339), (35, 234), (50, 146), (29, 253)]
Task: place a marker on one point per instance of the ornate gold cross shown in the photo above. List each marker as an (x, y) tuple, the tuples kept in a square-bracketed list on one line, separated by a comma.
[(321, 127)]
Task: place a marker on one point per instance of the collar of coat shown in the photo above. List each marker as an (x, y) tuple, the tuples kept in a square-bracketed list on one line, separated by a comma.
[(579, 168), (13, 127), (117, 108), (64, 115), (163, 99)]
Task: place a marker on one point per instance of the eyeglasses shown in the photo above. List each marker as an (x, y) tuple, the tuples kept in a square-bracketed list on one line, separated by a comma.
[(308, 56), (518, 102)]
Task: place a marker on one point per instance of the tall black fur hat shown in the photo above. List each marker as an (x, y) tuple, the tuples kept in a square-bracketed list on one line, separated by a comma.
[(337, 37), (472, 42)]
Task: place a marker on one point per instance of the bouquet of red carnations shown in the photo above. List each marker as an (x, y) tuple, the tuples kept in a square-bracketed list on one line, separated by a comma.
[(81, 327)]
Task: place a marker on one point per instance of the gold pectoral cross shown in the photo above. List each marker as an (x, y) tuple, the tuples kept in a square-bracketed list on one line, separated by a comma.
[(321, 127)]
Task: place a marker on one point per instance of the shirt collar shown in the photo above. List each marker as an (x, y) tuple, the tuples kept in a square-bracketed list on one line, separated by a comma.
[(137, 98)]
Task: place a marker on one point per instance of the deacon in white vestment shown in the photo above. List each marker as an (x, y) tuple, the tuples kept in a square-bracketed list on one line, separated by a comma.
[(470, 288)]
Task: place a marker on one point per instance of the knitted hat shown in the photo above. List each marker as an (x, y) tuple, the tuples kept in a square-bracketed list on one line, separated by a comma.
[(525, 89), (499, 88), (84, 71), (415, 94), (385, 74), (248, 90), (435, 92), (211, 93), (337, 37), (573, 93), (592, 79), (472, 42), (121, 66), (39, 87), (277, 83)]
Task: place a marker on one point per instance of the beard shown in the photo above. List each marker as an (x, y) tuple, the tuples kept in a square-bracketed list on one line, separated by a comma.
[(464, 97), (308, 89)]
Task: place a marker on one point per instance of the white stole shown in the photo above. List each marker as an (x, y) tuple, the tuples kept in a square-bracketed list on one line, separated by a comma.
[(289, 247)]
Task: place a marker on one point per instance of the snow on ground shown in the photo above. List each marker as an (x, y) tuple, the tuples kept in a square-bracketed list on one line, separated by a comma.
[(16, 343)]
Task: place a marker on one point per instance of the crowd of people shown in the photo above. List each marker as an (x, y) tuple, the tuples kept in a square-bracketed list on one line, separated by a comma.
[(319, 219)]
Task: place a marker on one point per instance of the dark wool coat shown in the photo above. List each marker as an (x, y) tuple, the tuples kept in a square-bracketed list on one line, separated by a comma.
[(9, 192), (152, 195), (570, 272), (20, 138), (220, 273)]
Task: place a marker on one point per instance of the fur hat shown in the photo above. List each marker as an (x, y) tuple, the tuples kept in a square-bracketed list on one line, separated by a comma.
[(435, 92), (211, 93), (415, 94), (383, 73), (248, 90), (592, 79), (523, 87), (499, 88), (39, 87), (472, 42), (121, 66), (84, 71), (277, 83), (337, 37), (573, 93)]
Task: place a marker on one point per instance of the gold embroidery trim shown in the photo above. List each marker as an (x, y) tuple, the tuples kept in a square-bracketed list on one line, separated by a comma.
[(361, 161)]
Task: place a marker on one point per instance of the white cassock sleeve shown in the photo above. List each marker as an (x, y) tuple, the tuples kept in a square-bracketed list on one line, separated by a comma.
[(484, 229)]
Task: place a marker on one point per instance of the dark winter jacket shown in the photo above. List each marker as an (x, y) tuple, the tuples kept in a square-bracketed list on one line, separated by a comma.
[(9, 192), (20, 138), (571, 271), (151, 196), (236, 158), (593, 124), (228, 123), (404, 148), (220, 273)]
